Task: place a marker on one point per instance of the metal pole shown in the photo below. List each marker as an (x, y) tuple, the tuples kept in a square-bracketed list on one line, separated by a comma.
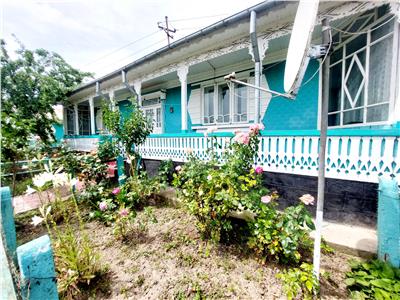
[(166, 24), (257, 94), (322, 147)]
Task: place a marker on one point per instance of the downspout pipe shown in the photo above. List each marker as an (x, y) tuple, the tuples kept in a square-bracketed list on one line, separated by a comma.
[(257, 65), (125, 82)]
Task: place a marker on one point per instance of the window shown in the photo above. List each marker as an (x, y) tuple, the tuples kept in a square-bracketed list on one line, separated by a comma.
[(209, 105), (240, 104), (224, 106), (360, 72), (84, 118), (70, 122), (152, 111)]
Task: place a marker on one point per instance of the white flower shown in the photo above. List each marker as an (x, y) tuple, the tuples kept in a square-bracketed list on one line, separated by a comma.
[(209, 177), (60, 179), (307, 199), (73, 181), (30, 190), (36, 220), (41, 179), (128, 160), (24, 167)]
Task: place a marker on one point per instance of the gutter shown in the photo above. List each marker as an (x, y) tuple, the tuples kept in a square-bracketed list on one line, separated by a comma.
[(243, 15)]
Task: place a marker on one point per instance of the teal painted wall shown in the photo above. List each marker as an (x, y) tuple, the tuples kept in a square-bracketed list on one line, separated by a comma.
[(172, 121), (125, 107), (301, 113), (58, 131)]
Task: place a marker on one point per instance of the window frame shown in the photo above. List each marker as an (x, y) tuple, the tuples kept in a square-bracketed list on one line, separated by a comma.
[(154, 107), (232, 100), (394, 33)]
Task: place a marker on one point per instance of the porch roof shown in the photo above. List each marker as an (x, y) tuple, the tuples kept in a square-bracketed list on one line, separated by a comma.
[(237, 23)]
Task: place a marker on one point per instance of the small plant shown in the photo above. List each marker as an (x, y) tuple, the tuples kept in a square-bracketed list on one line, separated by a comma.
[(300, 282), (148, 217), (123, 222), (76, 260), (373, 280), (280, 235), (166, 171), (107, 150)]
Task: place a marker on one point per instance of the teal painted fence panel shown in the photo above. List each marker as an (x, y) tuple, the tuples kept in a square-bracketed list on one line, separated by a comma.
[(284, 114), (7, 222), (389, 221), (58, 131), (38, 276)]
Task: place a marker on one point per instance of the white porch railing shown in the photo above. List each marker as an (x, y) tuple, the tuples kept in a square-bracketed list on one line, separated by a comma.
[(85, 144), (358, 158)]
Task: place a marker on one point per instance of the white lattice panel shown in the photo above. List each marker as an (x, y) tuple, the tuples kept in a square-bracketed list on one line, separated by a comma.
[(82, 144), (351, 158)]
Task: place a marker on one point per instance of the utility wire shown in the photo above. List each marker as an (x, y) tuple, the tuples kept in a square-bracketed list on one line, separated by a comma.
[(198, 18), (122, 47)]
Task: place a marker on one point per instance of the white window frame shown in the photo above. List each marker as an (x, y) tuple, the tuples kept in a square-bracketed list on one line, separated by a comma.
[(154, 107), (232, 108), (391, 101)]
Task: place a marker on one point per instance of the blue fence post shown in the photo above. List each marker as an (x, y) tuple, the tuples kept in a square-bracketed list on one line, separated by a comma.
[(7, 222), (121, 169), (38, 276), (389, 221)]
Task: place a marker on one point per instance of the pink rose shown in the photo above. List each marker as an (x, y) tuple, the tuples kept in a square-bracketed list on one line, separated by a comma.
[(123, 212), (255, 128), (242, 138), (266, 199), (116, 191), (178, 168), (259, 170), (307, 199), (103, 206)]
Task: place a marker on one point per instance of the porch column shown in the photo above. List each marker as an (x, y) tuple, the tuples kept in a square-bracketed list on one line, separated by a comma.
[(76, 119), (137, 85), (92, 122), (182, 74)]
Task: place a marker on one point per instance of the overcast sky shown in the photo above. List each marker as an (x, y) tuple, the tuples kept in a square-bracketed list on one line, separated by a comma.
[(85, 32)]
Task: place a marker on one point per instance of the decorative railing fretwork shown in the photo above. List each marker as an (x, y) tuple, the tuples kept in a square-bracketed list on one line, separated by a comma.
[(358, 158)]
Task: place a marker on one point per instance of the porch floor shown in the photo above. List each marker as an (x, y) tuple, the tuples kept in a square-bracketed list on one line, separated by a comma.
[(356, 240)]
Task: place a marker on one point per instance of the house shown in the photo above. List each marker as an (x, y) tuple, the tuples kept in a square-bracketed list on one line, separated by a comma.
[(182, 88)]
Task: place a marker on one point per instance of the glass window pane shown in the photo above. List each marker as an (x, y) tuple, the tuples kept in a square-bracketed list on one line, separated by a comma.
[(336, 55), (84, 119), (378, 113), (380, 71), (355, 81), (223, 104), (353, 116), (334, 119), (382, 30), (240, 103), (70, 120), (209, 104), (356, 44), (335, 87)]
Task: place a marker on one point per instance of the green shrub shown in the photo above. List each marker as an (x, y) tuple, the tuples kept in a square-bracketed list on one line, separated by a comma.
[(280, 235), (210, 190), (373, 280), (300, 282), (107, 150), (166, 170)]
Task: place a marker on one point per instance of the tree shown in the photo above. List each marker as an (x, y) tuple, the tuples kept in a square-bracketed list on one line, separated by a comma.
[(131, 131), (31, 84)]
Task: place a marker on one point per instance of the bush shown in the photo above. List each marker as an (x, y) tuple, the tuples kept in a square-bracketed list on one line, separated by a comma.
[(210, 191), (166, 171), (107, 151), (280, 235), (373, 280), (300, 282)]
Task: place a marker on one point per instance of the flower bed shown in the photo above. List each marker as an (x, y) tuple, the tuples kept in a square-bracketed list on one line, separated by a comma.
[(171, 261)]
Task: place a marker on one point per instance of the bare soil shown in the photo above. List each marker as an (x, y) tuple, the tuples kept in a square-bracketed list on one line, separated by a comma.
[(170, 261)]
